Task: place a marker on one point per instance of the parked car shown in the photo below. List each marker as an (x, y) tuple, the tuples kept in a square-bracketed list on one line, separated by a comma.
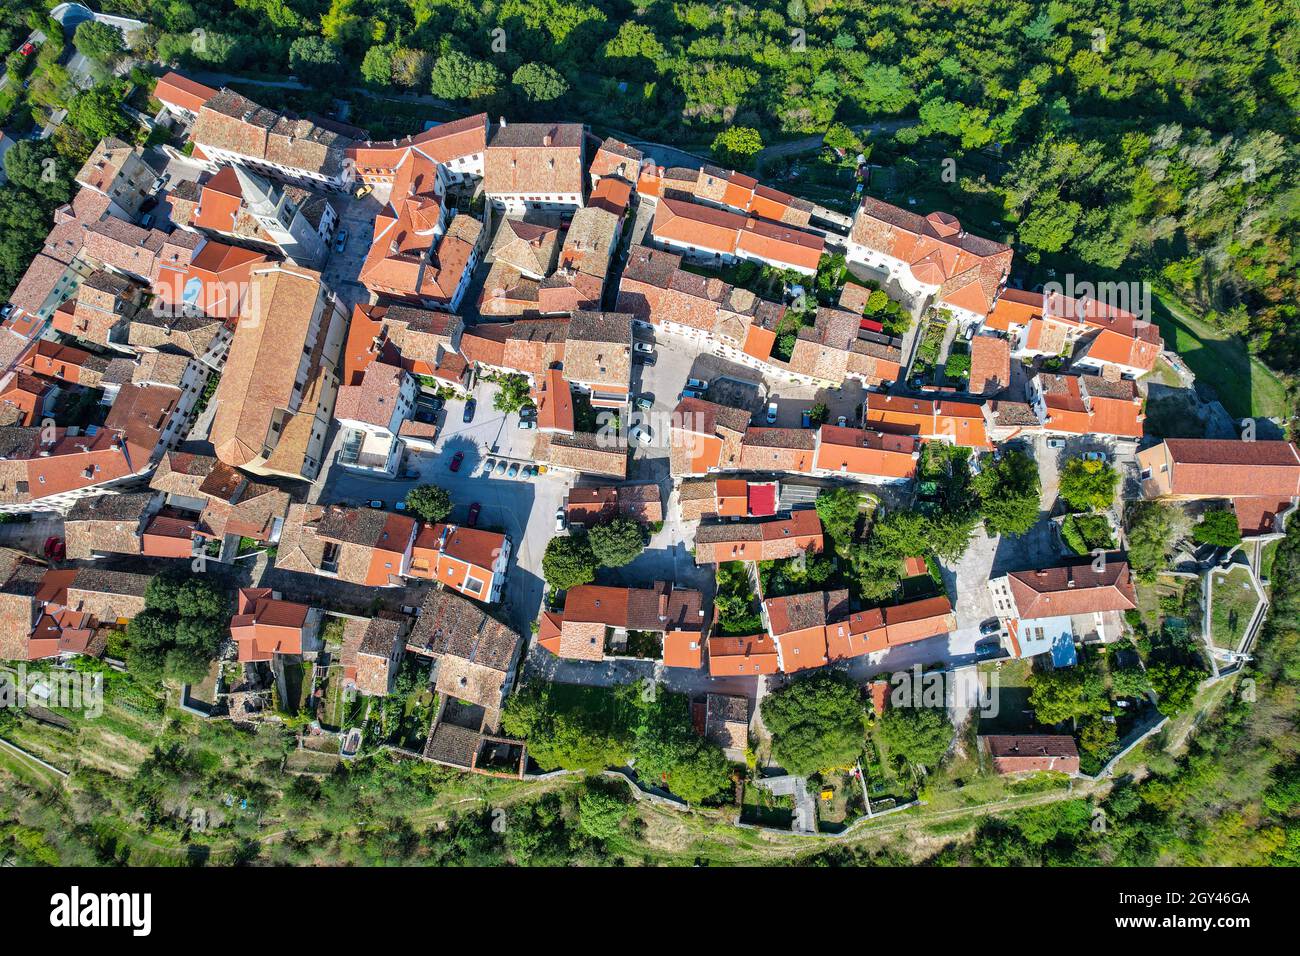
[(842, 421), (645, 348), (500, 469), (469, 411), (456, 459), (55, 548), (698, 384), (991, 626), (341, 240), (641, 433), (771, 413), (488, 466), (805, 420), (645, 402), (399, 506), (362, 190), (6, 309), (1056, 443), (375, 503), (530, 471), (527, 424), (692, 393), (643, 359), (1095, 456), (513, 470), (27, 49), (474, 509), (559, 519)]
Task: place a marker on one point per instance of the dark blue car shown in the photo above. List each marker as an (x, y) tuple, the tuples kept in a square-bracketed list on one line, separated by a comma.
[(469, 411)]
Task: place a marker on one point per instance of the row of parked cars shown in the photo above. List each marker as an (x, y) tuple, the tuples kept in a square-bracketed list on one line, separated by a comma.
[(497, 468)]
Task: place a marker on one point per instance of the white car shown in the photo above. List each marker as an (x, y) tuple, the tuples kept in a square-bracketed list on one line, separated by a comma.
[(771, 413), (842, 421), (559, 519), (645, 348), (641, 433)]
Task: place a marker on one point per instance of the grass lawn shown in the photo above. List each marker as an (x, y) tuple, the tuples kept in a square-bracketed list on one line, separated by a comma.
[(1233, 602), (332, 709), (762, 808), (1266, 556), (1244, 384), (1013, 714)]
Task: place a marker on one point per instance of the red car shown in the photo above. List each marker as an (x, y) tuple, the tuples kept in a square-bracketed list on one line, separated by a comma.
[(456, 459), (27, 49), (473, 514), (55, 549)]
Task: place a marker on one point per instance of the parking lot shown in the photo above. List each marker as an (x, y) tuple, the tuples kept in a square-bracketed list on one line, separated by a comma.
[(357, 216), (737, 386), (522, 508)]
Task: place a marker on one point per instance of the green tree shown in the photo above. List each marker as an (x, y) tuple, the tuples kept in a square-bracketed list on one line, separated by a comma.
[(100, 42), (377, 65), (1088, 485), (539, 83), (1050, 226), (317, 60), (634, 41), (839, 510), (513, 394), (736, 146), (34, 164), (817, 723), (617, 542), (1066, 694), (1175, 685), (429, 503), (457, 76), (669, 752), (601, 811), (178, 633), (580, 735), (1218, 526), (568, 562), (96, 113), (1008, 493), (1150, 537), (916, 737)]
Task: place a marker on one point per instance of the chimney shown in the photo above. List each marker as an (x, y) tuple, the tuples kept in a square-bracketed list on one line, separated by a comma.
[(663, 605), (546, 141)]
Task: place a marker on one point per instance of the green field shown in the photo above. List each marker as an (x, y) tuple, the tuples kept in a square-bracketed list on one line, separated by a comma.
[(1245, 385), (1233, 602)]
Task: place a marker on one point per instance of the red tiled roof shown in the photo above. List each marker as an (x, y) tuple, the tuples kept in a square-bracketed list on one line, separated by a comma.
[(1073, 589), (178, 90)]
